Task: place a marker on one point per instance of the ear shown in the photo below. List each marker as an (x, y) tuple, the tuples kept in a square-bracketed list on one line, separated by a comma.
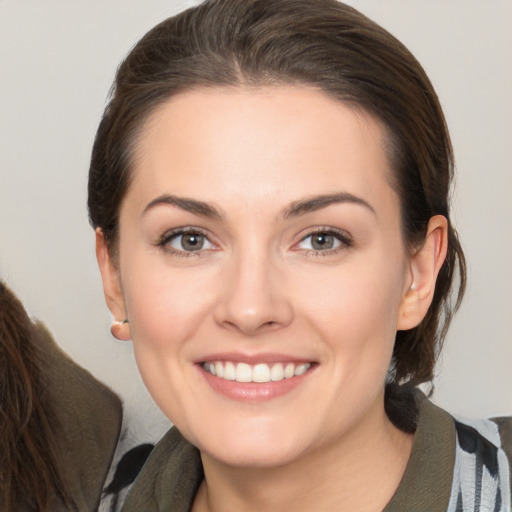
[(425, 264), (112, 288)]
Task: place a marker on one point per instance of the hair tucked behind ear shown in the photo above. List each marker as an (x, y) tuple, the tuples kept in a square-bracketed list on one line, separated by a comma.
[(29, 470)]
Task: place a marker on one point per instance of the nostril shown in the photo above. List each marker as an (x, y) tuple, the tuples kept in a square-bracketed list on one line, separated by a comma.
[(251, 310), (251, 327)]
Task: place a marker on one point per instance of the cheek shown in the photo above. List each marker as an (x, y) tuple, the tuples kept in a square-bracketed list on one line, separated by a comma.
[(165, 309), (357, 291), (356, 308), (164, 304)]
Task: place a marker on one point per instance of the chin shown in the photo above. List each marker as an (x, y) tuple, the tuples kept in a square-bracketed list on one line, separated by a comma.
[(255, 447), (255, 457)]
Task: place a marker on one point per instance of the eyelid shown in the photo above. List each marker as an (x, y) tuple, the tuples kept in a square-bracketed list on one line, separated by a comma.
[(169, 235), (342, 236), (182, 230)]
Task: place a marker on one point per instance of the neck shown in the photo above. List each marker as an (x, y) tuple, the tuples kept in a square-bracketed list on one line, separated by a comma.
[(358, 472)]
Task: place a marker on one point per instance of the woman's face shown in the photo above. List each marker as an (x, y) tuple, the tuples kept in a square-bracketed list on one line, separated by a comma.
[(260, 240)]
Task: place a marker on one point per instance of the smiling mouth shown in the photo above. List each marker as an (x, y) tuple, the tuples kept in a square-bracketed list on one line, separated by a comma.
[(260, 373)]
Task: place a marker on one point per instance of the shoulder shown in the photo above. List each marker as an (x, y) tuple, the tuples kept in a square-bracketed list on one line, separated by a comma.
[(456, 463), (504, 425), (62, 424), (87, 417), (482, 472), (76, 390), (426, 483), (170, 478)]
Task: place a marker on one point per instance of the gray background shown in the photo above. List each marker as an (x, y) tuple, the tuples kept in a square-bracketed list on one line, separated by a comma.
[(57, 60)]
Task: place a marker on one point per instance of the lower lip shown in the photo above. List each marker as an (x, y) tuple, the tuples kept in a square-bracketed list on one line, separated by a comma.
[(253, 391)]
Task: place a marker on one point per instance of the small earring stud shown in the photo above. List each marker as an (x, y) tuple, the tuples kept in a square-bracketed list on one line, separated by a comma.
[(413, 285), (120, 322), (115, 328)]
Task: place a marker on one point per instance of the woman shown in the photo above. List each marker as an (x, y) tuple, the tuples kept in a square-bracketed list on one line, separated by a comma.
[(59, 426), (269, 187)]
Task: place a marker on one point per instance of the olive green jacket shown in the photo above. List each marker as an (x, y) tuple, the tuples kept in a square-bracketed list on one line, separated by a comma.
[(88, 423), (170, 479)]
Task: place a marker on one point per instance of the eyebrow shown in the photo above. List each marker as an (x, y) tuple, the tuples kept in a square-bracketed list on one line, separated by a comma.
[(314, 203), (295, 209), (194, 206)]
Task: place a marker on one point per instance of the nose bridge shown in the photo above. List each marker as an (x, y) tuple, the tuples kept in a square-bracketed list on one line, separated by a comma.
[(254, 297)]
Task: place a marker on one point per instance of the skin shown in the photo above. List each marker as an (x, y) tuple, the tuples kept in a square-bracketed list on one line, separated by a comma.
[(260, 288)]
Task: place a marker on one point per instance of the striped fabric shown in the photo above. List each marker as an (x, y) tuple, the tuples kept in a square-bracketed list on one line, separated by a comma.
[(481, 474)]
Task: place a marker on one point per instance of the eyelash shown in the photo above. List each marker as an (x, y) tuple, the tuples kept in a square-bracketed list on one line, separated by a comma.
[(344, 239), (169, 236)]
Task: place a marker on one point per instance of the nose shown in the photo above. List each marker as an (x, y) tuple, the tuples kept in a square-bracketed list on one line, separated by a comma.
[(254, 297)]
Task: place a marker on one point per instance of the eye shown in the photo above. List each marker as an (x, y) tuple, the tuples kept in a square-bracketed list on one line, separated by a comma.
[(324, 241), (186, 241)]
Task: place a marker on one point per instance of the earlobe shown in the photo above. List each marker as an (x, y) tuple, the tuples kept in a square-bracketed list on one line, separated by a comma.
[(112, 288), (425, 264)]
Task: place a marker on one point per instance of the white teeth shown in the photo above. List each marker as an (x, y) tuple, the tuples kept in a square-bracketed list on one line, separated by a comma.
[(229, 371), (277, 372), (302, 369), (243, 372), (289, 371), (261, 372)]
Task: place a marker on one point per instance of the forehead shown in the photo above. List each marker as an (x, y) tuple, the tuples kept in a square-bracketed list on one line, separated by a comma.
[(252, 143)]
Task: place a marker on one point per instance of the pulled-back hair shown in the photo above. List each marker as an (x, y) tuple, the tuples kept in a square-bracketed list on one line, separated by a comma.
[(323, 44)]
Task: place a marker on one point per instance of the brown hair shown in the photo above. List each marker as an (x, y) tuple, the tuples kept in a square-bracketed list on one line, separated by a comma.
[(29, 469), (319, 43)]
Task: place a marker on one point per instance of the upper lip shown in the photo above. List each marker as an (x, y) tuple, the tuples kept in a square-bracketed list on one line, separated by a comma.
[(266, 357)]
